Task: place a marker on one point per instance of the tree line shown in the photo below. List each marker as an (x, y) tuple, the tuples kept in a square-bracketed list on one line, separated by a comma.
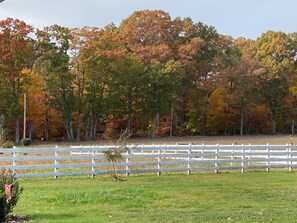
[(153, 75)]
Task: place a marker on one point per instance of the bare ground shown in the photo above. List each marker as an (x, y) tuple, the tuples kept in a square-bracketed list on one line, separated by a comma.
[(208, 140)]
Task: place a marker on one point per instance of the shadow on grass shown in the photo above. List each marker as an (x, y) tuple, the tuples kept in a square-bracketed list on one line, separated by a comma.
[(44, 216)]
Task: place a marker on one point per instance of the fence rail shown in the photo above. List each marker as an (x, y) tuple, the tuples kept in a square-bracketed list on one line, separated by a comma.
[(89, 160)]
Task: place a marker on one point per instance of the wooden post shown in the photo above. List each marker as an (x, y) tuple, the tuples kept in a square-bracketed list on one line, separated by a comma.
[(56, 163)]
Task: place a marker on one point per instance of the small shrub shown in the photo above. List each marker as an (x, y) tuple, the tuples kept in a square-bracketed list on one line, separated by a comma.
[(7, 203), (7, 144), (3, 207), (26, 141), (115, 153)]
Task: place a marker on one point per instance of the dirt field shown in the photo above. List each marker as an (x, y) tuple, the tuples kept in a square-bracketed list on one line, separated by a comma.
[(208, 140)]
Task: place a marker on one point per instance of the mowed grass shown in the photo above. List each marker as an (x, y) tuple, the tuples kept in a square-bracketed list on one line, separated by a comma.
[(201, 197)]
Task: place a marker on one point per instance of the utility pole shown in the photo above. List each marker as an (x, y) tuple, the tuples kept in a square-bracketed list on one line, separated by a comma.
[(25, 108)]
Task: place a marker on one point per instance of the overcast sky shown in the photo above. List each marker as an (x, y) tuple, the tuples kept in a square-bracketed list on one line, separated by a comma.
[(247, 18)]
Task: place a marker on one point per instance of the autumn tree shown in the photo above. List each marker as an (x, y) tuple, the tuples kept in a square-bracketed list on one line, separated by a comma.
[(198, 55), (16, 53), (37, 108), (275, 52), (149, 34), (81, 51), (54, 43)]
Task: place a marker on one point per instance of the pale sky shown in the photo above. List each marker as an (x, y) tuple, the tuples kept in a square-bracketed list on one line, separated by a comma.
[(247, 18)]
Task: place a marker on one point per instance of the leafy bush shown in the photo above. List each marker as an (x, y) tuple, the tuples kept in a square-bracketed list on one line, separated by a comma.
[(7, 203), (26, 141), (3, 207)]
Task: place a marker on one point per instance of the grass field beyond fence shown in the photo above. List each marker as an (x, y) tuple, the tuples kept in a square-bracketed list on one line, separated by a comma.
[(226, 197)]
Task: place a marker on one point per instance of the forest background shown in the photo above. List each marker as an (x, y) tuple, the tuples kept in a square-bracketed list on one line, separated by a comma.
[(154, 75)]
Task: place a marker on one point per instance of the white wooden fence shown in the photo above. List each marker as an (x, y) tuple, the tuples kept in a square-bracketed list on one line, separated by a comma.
[(89, 160)]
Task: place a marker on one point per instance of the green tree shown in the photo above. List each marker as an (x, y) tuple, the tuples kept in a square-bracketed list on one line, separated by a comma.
[(128, 75), (54, 65)]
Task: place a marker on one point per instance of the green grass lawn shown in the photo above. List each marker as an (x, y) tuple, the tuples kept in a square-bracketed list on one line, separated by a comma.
[(203, 197)]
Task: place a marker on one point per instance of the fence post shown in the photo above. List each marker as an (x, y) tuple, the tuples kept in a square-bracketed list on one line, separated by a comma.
[(291, 158), (56, 162), (127, 163), (159, 160), (267, 162), (242, 157), (202, 151), (287, 156), (189, 158), (232, 156), (14, 162), (93, 164), (216, 158), (249, 157)]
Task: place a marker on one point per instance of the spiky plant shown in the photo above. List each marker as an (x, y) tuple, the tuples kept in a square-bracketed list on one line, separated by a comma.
[(115, 154)]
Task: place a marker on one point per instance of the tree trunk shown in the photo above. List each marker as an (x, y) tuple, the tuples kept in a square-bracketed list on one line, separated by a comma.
[(67, 130), (91, 127), (71, 130), (204, 118), (148, 126), (129, 122), (30, 130), (113, 126), (78, 126), (156, 123), (129, 112), (45, 128), (248, 130), (293, 125), (87, 129), (241, 120), (273, 122), (203, 123), (94, 128), (106, 126), (17, 132), (171, 121)]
